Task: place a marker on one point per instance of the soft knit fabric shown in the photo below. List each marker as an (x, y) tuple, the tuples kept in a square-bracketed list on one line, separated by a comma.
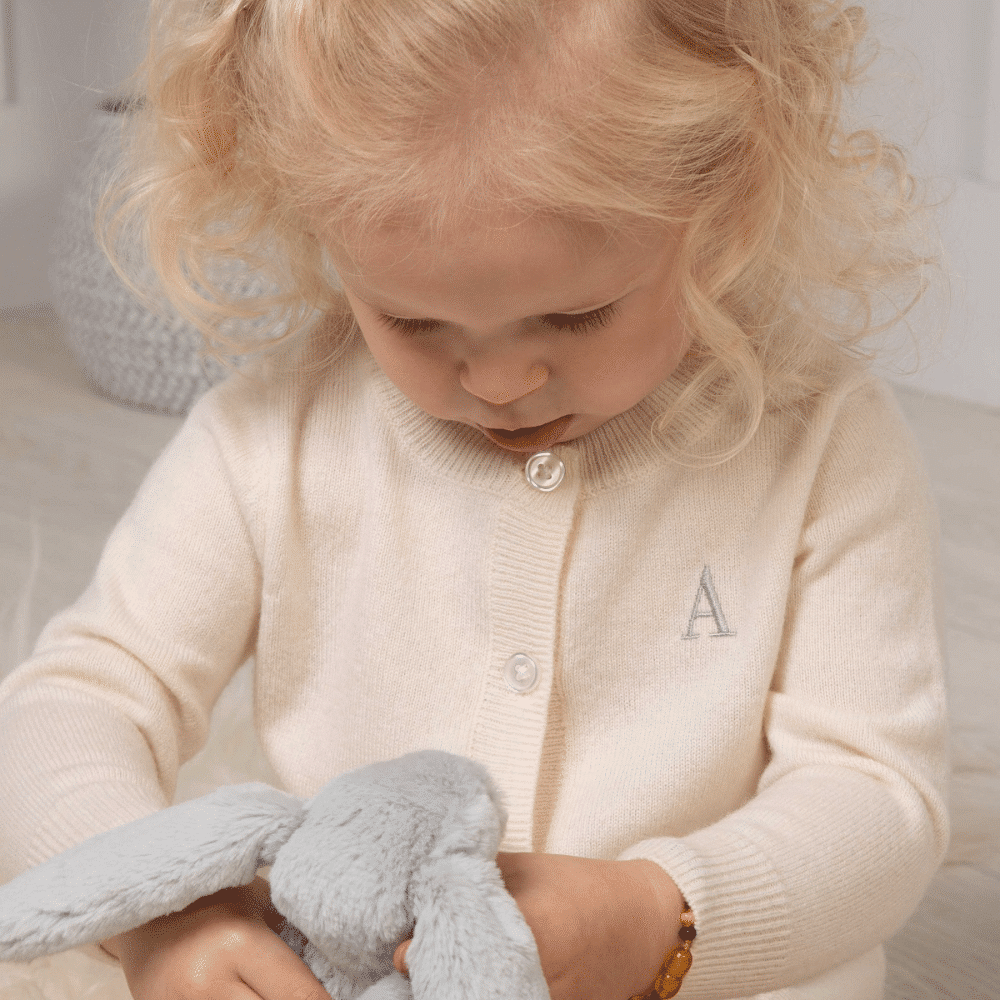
[(736, 671)]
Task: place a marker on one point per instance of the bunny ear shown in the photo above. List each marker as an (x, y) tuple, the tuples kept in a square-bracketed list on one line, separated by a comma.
[(156, 865), (470, 939)]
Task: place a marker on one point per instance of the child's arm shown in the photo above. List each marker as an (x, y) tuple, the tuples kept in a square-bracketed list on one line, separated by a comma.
[(120, 688), (602, 928), (847, 822)]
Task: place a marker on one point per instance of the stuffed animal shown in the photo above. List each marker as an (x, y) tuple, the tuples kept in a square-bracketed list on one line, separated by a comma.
[(397, 849)]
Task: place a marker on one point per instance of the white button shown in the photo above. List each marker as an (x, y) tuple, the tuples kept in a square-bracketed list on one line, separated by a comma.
[(545, 471), (521, 673)]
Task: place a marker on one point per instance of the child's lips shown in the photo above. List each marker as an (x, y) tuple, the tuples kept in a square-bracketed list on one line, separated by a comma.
[(530, 439)]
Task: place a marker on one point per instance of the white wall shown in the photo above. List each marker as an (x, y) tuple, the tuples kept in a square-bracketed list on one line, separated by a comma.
[(942, 57), (937, 90), (66, 55)]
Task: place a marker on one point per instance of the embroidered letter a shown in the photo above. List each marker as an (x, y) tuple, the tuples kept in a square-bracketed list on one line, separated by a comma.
[(707, 588)]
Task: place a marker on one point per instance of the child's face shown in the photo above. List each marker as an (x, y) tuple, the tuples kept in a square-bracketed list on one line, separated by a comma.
[(492, 347)]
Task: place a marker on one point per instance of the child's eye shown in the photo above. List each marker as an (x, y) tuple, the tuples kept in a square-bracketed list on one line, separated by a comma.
[(408, 325), (583, 322), (579, 323)]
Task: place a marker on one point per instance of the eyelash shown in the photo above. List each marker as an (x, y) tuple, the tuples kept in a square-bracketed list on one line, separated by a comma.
[(583, 323)]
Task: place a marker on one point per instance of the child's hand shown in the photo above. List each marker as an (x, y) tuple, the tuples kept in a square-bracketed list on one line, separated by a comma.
[(222, 947), (602, 927)]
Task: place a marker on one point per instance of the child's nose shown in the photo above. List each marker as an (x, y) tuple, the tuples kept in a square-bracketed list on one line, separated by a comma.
[(501, 381)]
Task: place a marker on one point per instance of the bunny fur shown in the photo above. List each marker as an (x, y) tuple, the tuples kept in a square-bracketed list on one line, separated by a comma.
[(395, 849)]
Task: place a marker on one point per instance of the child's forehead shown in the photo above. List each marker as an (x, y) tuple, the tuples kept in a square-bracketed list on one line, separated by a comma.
[(505, 240)]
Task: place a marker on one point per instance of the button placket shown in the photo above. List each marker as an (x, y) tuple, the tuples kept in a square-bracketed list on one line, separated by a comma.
[(528, 554), (544, 471)]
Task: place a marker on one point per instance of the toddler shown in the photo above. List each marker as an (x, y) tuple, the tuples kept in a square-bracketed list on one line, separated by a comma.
[(570, 459)]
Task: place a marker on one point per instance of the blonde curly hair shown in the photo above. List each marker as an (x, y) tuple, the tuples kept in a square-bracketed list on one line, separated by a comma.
[(722, 117)]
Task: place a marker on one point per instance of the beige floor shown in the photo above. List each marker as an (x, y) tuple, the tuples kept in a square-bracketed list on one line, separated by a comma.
[(70, 461), (69, 465)]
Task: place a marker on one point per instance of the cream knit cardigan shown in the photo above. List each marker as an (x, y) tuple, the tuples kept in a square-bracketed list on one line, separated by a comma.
[(734, 672)]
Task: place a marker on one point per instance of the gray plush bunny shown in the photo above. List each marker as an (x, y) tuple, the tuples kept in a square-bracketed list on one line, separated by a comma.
[(399, 848)]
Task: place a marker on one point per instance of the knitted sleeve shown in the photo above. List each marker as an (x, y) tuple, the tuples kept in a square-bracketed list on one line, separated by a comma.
[(849, 820), (119, 690)]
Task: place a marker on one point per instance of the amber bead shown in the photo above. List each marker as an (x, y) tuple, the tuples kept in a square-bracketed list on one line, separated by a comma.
[(675, 966), (678, 962), (666, 987)]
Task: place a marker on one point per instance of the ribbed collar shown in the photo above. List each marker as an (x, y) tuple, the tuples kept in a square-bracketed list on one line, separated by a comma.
[(614, 454)]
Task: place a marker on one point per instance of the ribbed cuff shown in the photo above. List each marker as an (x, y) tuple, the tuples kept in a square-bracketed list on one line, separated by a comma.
[(740, 911)]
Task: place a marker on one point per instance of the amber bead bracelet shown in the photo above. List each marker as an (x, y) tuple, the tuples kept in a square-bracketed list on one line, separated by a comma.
[(676, 965)]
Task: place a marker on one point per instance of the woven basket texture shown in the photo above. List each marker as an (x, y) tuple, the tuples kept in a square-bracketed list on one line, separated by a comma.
[(129, 353)]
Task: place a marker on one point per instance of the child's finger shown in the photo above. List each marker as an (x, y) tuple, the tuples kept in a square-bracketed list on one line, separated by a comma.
[(399, 958), (274, 972)]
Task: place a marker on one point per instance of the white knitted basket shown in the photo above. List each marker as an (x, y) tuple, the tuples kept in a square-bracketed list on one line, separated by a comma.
[(130, 354)]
